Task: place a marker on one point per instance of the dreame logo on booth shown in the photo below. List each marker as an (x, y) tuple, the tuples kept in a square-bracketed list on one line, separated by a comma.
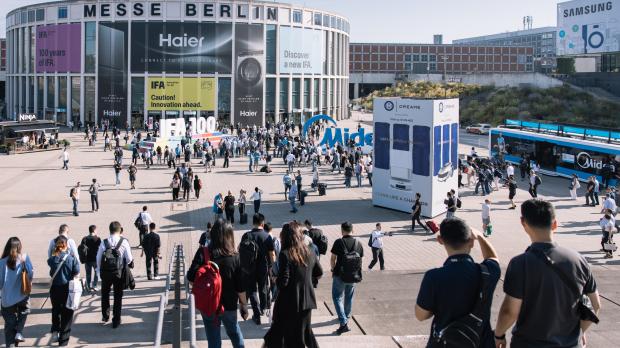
[(335, 134)]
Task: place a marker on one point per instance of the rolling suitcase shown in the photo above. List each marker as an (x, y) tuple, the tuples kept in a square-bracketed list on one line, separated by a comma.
[(432, 226), (243, 218), (322, 189)]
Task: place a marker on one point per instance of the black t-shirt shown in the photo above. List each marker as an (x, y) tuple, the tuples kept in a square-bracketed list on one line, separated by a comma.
[(265, 245), (548, 317), (338, 249), (315, 234), (450, 292), (92, 242), (416, 205), (230, 271), (151, 243), (229, 203), (451, 204), (204, 237)]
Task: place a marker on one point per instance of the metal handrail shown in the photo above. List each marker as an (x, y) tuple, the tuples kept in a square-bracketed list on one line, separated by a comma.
[(192, 321), (163, 303)]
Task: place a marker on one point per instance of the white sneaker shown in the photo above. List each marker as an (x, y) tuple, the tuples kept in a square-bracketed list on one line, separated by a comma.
[(19, 338)]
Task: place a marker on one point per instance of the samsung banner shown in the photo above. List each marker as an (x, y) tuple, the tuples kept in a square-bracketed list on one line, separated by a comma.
[(113, 70), (586, 26), (181, 47), (58, 48), (415, 151), (301, 51), (249, 70)]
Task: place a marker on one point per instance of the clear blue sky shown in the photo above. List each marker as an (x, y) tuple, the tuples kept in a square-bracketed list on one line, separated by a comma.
[(413, 20)]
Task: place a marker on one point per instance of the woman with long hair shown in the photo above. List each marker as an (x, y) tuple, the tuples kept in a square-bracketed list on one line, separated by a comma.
[(221, 251), (15, 306), (63, 268), (292, 313)]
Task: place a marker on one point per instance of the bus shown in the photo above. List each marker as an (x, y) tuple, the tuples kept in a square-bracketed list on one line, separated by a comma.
[(560, 150)]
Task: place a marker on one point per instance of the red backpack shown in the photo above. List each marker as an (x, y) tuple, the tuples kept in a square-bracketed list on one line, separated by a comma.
[(207, 288)]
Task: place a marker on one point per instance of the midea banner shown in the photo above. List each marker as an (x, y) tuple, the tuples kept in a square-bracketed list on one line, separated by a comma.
[(181, 47), (181, 93), (301, 51), (586, 26)]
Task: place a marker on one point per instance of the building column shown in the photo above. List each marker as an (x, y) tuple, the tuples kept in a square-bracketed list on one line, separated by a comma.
[(356, 90)]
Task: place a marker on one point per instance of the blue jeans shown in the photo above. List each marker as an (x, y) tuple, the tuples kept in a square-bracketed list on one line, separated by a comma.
[(14, 321), (229, 319), (91, 270), (118, 178), (75, 207), (342, 292), (359, 179)]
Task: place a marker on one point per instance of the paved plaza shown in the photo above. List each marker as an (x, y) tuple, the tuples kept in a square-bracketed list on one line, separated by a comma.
[(34, 202)]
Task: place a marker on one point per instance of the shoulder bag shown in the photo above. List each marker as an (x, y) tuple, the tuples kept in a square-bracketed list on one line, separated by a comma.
[(584, 305), (25, 280)]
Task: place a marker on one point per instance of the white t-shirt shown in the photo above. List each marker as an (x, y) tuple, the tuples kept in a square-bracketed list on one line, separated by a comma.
[(290, 158), (486, 211), (609, 203), (606, 225), (510, 170), (377, 239), (256, 196)]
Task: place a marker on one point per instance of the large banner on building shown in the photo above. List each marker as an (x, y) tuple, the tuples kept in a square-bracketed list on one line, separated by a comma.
[(301, 51), (113, 71), (181, 47), (585, 27), (58, 48), (249, 72), (415, 151), (181, 94)]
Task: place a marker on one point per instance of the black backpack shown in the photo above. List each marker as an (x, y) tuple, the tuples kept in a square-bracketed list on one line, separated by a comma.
[(466, 331), (370, 240), (538, 180), (112, 261), (351, 268), (459, 204), (248, 253), (71, 192), (83, 251), (320, 241)]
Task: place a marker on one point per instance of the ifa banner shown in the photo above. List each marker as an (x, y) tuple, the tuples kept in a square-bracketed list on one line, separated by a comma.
[(181, 93), (301, 51), (58, 48)]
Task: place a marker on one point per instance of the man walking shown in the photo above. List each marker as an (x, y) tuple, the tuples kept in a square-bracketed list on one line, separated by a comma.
[(117, 172), (150, 248), (416, 210), (218, 206), (376, 243), (542, 286), (229, 207), (257, 253), (287, 180), (75, 198), (113, 255), (65, 159), (89, 247), (346, 272), (453, 290), (292, 196), (63, 230), (535, 181), (142, 223), (94, 195), (450, 203)]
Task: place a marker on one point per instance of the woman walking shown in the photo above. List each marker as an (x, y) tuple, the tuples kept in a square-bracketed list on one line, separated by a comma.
[(15, 297), (292, 313), (222, 252), (241, 202), (63, 268), (574, 185), (197, 186), (175, 185)]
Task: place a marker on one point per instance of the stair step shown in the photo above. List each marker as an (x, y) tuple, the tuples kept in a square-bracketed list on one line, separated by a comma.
[(343, 341)]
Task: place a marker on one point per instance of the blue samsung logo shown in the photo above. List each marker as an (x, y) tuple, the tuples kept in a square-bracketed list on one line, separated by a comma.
[(338, 135)]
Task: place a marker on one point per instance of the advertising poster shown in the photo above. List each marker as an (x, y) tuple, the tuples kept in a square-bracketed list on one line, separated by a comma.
[(58, 48), (588, 27), (183, 94), (113, 69), (415, 151), (181, 47), (249, 71), (301, 51)]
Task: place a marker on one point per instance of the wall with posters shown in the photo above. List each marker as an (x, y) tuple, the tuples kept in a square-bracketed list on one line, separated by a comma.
[(58, 48), (586, 27), (249, 72), (181, 47), (180, 93), (301, 51), (113, 70), (415, 151)]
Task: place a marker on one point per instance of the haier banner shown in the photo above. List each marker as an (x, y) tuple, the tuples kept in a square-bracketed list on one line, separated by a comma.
[(586, 26), (301, 51), (181, 47), (113, 70), (415, 151), (249, 70)]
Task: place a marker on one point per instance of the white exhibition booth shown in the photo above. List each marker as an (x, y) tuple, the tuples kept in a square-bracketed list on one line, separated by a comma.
[(415, 150)]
